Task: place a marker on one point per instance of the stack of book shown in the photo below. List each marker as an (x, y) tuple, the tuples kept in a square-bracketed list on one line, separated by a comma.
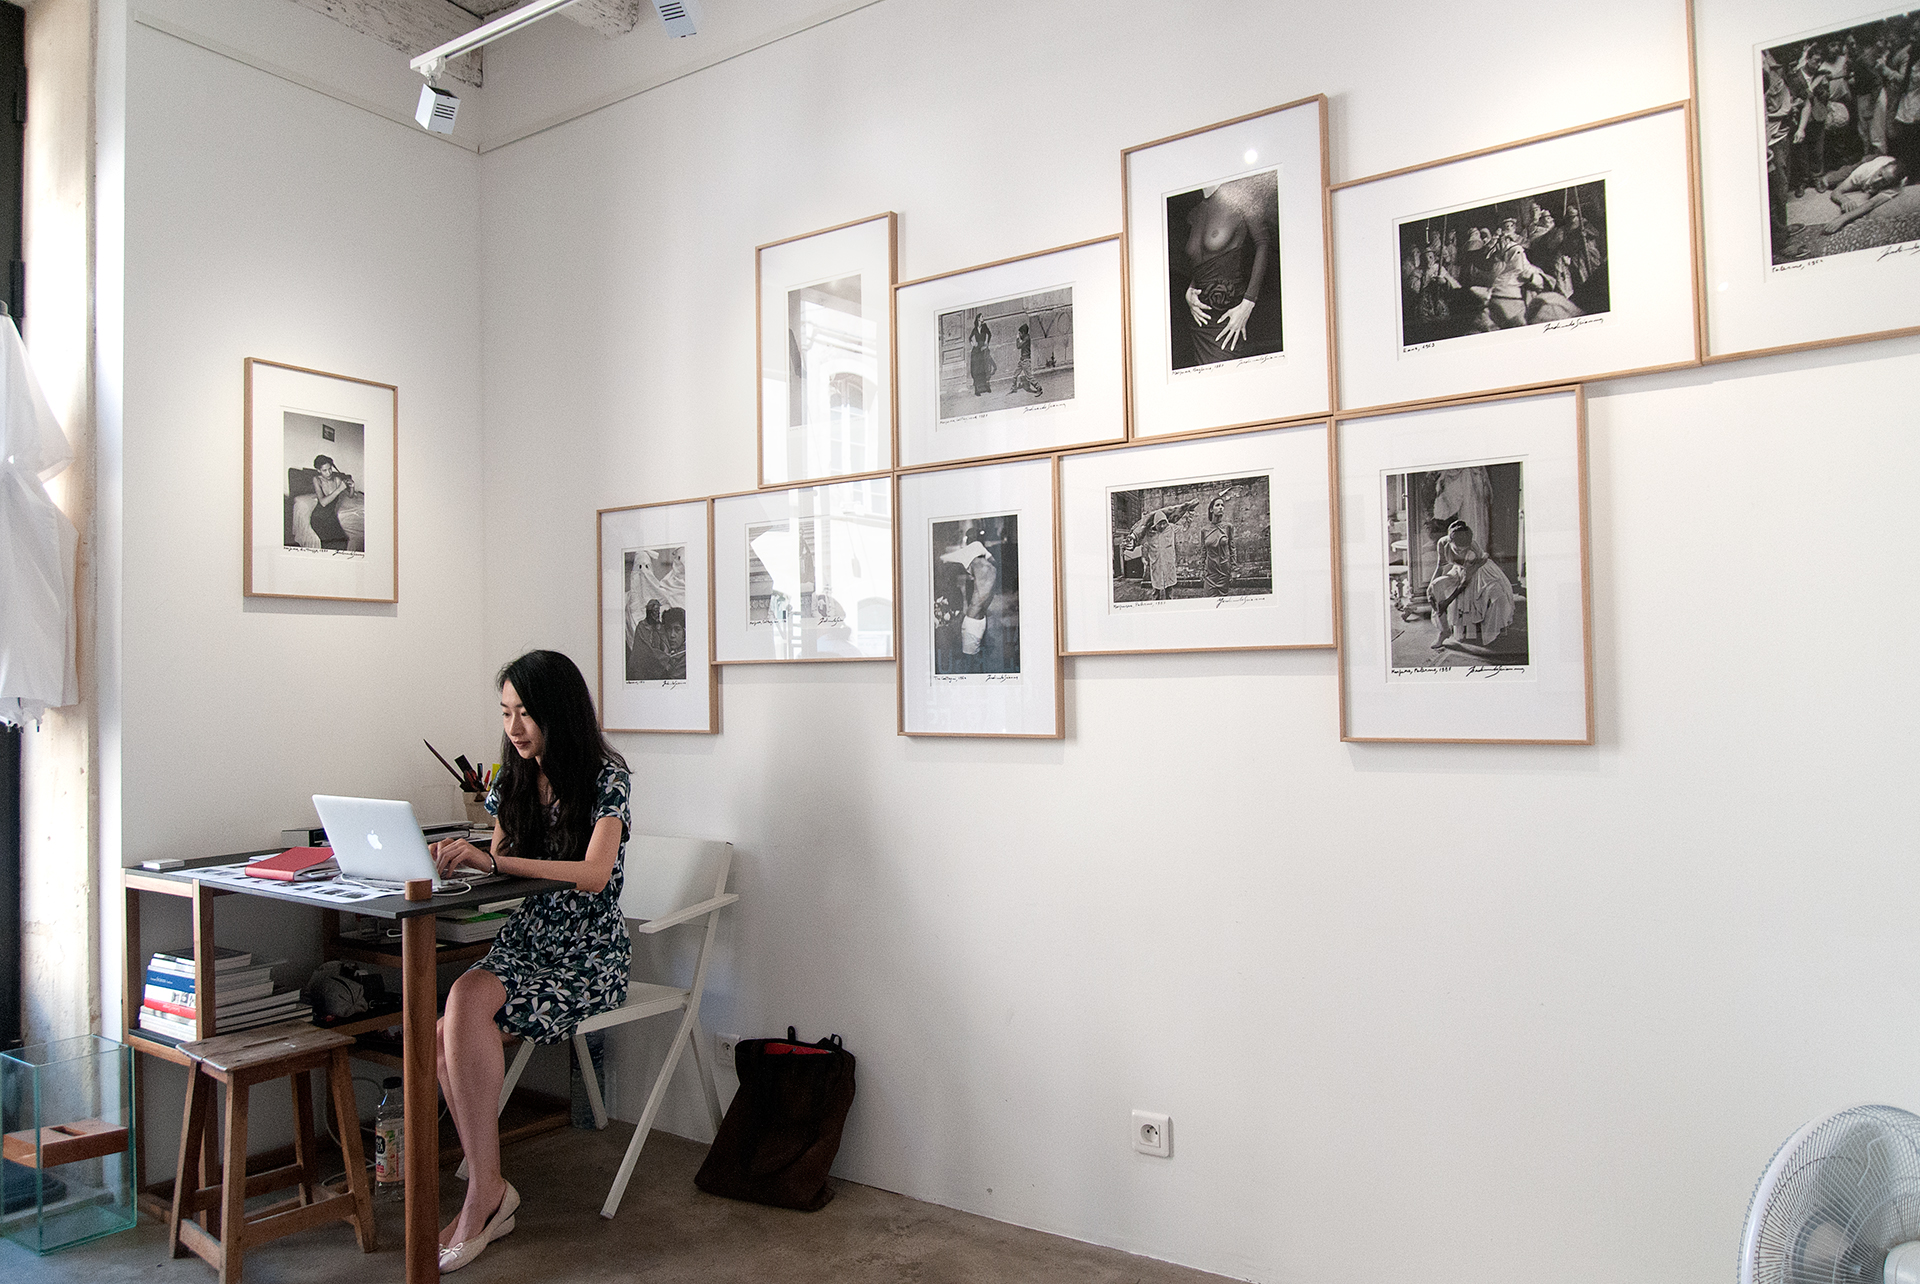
[(244, 996), (482, 923)]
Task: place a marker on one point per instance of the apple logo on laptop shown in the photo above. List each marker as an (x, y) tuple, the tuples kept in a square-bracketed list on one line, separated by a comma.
[(373, 840)]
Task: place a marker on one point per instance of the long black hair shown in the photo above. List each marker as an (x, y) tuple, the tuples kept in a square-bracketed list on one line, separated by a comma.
[(557, 699)]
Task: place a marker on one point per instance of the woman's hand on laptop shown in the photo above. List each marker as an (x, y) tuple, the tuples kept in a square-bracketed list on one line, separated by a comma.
[(450, 854)]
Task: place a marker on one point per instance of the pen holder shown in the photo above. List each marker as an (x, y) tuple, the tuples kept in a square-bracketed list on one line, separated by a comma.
[(476, 809)]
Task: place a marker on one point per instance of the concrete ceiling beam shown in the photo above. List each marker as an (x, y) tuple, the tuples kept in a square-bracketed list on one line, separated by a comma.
[(411, 26)]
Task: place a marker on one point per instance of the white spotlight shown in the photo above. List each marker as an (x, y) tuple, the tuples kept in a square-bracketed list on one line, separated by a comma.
[(436, 110), (680, 17)]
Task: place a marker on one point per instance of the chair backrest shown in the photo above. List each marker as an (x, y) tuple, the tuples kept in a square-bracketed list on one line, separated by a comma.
[(668, 874)]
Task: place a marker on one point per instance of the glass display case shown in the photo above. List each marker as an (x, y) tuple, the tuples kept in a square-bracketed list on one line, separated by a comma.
[(66, 1108)]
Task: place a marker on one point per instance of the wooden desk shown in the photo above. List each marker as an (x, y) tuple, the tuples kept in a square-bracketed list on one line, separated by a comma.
[(419, 1006)]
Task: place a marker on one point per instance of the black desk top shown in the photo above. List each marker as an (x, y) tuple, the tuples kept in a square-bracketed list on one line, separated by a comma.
[(390, 907)]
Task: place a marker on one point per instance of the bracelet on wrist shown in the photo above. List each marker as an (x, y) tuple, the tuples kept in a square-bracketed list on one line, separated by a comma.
[(493, 865)]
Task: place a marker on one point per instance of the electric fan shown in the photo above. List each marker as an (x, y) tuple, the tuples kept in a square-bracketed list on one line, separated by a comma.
[(1839, 1204)]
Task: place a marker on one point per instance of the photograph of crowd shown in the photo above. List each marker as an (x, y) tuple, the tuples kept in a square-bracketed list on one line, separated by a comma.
[(1522, 261), (1842, 111), (1223, 270), (324, 510), (830, 353), (1011, 352), (1190, 543), (656, 613), (1457, 568), (976, 595)]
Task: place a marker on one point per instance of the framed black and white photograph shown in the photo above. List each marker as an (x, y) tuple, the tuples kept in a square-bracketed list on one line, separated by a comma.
[(1218, 543), (1227, 272), (825, 342), (1193, 543), (1016, 357), (322, 503), (1463, 572), (804, 573), (1533, 260), (976, 597), (1457, 560), (1033, 331), (1564, 257), (326, 506), (656, 630), (655, 584), (1809, 146), (979, 645)]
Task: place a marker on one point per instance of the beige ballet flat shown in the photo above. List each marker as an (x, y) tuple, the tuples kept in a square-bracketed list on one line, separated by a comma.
[(454, 1256)]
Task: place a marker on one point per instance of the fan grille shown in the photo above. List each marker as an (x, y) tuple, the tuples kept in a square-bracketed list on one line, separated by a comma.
[(1838, 1195)]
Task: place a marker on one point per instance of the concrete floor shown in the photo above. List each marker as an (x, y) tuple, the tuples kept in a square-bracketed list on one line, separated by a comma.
[(667, 1232)]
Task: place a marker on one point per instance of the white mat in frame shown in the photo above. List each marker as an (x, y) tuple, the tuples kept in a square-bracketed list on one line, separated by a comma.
[(1261, 576), (655, 668), (1814, 289), (978, 635), (824, 304), (804, 573), (952, 406), (1277, 158), (322, 507), (1516, 665), (1648, 321)]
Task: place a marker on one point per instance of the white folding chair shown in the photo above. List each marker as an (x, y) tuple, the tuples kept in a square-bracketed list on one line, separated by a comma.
[(669, 882)]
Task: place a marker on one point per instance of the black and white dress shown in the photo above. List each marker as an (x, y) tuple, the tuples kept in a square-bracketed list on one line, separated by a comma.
[(564, 956)]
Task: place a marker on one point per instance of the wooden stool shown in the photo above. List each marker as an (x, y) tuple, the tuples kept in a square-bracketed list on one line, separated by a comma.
[(239, 1061)]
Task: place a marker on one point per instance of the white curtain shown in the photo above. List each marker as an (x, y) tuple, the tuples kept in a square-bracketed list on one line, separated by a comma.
[(37, 546)]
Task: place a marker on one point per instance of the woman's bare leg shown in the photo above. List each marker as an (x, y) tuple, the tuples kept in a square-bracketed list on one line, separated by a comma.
[(472, 1067)]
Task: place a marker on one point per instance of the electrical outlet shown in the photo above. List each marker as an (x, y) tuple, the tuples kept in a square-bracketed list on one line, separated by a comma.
[(723, 1047), (1153, 1134)]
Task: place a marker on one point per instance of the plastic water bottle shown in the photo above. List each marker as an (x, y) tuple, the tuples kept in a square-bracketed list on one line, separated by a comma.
[(390, 1144)]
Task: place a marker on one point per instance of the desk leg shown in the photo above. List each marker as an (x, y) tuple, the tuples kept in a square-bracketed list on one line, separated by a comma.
[(421, 1099)]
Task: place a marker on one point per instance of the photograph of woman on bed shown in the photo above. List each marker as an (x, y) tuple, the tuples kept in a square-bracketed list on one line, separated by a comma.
[(325, 510)]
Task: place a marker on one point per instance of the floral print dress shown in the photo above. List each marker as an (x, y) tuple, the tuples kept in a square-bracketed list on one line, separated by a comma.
[(564, 955)]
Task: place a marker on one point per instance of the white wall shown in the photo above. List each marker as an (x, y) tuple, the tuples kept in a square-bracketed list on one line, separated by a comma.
[(265, 219), (1484, 1009), (1490, 1010)]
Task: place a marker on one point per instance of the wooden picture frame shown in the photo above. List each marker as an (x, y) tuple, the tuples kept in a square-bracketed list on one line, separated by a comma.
[(1024, 356), (1506, 655), (1219, 543), (1260, 182), (322, 497), (1775, 278), (649, 678), (978, 629), (1437, 292), (804, 574), (823, 344)]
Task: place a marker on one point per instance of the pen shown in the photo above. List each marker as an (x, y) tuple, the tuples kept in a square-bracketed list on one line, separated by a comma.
[(443, 762)]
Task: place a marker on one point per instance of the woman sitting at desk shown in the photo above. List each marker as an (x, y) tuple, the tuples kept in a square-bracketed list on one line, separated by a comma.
[(561, 807)]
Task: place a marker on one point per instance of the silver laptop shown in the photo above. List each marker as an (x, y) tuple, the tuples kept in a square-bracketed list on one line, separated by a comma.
[(378, 841)]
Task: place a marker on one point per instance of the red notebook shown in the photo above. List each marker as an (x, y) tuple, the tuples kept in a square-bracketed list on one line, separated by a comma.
[(296, 864)]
